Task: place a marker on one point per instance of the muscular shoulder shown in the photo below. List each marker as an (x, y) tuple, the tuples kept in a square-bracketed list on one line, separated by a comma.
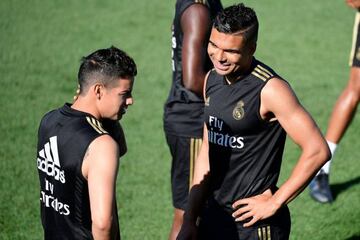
[(275, 86), (102, 153), (104, 143), (277, 96)]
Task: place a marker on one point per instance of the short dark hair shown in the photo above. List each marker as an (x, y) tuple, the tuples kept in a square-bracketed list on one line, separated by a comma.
[(238, 19), (105, 66)]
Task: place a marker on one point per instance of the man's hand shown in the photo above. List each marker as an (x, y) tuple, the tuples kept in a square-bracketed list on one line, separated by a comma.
[(255, 208)]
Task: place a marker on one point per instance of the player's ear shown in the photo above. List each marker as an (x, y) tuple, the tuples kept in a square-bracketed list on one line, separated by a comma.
[(98, 90)]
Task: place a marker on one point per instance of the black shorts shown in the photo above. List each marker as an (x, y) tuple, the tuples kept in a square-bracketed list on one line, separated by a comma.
[(183, 150), (217, 224), (355, 49)]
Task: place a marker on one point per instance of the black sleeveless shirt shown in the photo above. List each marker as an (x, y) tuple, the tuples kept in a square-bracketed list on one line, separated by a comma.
[(63, 138), (183, 112), (245, 152)]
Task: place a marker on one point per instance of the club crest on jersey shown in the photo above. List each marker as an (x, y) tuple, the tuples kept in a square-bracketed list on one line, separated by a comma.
[(238, 112), (207, 101)]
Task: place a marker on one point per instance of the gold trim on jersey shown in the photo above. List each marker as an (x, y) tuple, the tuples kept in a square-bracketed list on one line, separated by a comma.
[(195, 144), (268, 232), (265, 70), (207, 101), (96, 125), (262, 73), (264, 233)]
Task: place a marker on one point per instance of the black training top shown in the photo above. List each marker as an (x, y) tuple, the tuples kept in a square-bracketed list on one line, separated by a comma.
[(63, 138), (183, 112), (245, 152)]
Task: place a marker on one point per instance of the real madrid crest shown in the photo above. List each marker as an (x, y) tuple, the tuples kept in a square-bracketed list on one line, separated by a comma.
[(238, 112)]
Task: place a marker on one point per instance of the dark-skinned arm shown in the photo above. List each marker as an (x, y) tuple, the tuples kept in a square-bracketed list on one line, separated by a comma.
[(196, 25)]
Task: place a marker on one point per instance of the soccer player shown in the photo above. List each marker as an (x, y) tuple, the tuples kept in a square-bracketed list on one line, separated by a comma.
[(183, 111), (249, 110), (342, 114), (77, 158)]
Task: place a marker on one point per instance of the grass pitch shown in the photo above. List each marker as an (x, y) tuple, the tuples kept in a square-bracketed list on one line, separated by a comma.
[(41, 43)]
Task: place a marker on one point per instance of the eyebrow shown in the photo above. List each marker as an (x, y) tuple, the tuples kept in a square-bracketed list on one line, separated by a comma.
[(226, 50)]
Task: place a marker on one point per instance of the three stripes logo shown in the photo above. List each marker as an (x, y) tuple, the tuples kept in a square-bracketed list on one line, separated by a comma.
[(96, 125), (264, 233), (48, 160), (262, 73)]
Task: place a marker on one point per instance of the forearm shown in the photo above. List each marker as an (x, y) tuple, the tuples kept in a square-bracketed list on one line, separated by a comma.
[(303, 172)]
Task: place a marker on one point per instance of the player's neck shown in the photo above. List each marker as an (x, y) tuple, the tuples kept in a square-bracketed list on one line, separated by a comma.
[(239, 74), (84, 104)]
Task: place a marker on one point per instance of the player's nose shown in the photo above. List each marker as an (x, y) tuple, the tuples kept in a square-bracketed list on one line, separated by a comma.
[(129, 101)]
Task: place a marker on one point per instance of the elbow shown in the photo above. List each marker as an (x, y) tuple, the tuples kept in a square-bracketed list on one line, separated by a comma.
[(194, 88), (102, 225), (194, 83), (323, 154)]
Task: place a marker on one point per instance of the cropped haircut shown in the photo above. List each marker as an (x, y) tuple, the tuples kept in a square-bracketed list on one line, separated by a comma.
[(105, 66), (238, 19)]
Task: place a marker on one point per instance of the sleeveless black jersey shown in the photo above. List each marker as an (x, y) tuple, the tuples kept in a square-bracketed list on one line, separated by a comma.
[(183, 113), (63, 138), (245, 152)]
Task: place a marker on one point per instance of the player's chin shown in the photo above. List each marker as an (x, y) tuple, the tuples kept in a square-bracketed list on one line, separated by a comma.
[(121, 113)]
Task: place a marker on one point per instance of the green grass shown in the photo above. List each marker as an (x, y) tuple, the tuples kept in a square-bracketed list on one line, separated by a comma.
[(41, 43)]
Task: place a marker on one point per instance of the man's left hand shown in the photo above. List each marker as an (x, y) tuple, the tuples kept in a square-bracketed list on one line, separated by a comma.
[(255, 208)]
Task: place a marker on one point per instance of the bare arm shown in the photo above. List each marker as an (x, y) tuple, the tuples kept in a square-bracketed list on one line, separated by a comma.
[(100, 167), (196, 25), (304, 132)]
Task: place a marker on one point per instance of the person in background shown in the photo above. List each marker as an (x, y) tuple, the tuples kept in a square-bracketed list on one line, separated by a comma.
[(342, 114), (183, 111)]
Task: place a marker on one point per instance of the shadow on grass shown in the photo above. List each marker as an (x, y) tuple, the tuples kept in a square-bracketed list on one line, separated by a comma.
[(341, 187)]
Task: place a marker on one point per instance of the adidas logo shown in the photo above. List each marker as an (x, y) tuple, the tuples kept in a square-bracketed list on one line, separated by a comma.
[(48, 160)]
